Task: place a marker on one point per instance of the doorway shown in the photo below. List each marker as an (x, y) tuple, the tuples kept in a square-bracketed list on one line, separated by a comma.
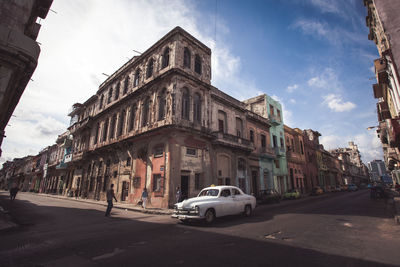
[(125, 190), (254, 188), (184, 187)]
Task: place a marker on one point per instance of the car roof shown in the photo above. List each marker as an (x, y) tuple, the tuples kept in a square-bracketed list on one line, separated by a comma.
[(222, 187)]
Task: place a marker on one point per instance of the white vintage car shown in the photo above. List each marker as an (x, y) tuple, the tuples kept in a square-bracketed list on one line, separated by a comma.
[(215, 201)]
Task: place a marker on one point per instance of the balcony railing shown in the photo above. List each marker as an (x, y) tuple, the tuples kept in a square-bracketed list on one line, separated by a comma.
[(233, 140), (275, 120)]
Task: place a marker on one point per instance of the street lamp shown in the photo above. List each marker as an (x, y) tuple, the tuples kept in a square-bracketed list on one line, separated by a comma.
[(372, 127)]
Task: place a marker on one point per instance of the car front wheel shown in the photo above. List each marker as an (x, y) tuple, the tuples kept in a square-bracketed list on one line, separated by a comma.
[(247, 210), (210, 216)]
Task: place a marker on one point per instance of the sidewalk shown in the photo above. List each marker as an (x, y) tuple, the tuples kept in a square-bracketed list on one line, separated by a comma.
[(117, 205)]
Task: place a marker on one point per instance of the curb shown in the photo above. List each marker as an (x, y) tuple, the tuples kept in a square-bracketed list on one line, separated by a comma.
[(104, 204)]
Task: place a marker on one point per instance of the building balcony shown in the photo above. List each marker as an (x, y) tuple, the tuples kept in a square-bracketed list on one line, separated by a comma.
[(80, 125), (267, 152), (232, 141), (274, 119), (280, 151), (378, 90), (295, 157)]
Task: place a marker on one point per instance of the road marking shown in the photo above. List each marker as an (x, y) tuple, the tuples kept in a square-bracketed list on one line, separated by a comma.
[(348, 224), (109, 255)]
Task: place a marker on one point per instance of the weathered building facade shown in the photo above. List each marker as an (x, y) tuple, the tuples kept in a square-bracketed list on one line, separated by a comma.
[(295, 157), (383, 22), (158, 123), (19, 51), (311, 146)]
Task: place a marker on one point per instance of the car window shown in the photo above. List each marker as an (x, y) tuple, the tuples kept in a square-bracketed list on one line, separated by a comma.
[(209, 192), (225, 193), (236, 192)]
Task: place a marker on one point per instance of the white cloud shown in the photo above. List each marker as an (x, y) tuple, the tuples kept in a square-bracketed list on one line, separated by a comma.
[(312, 27), (293, 101), (327, 6), (323, 30), (336, 103), (325, 80), (292, 88)]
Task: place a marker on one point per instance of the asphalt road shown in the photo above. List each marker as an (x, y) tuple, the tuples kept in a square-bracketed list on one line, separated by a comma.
[(339, 229)]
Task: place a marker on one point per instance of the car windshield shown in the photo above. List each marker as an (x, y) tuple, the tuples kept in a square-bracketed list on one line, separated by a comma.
[(209, 192)]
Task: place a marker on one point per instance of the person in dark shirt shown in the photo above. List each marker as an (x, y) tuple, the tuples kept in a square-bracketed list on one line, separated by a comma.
[(144, 197), (110, 196), (13, 192)]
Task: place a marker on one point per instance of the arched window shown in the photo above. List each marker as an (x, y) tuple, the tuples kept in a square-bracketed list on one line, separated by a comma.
[(165, 58), (101, 102), (252, 136), (110, 92), (186, 58), (149, 71), (117, 91), (112, 126), (145, 111), (105, 129), (197, 108), (239, 127), (161, 105), (197, 64), (137, 78), (222, 121), (132, 118), (126, 84), (121, 123), (96, 135), (185, 103)]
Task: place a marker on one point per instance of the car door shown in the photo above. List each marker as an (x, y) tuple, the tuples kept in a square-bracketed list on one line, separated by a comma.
[(227, 205), (239, 201)]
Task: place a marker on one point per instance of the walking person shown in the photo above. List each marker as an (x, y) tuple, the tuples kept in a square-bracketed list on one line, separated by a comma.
[(13, 192), (144, 197), (110, 196), (178, 195)]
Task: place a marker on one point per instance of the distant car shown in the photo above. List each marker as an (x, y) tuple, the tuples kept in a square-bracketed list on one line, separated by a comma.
[(345, 187), (315, 191), (268, 196), (215, 201), (292, 194), (338, 188), (352, 187)]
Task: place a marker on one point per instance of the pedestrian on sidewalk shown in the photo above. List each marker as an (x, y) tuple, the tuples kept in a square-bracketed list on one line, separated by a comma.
[(13, 192), (110, 196), (178, 195), (144, 197)]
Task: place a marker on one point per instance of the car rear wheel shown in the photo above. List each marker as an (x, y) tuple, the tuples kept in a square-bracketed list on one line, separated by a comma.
[(210, 216), (247, 210)]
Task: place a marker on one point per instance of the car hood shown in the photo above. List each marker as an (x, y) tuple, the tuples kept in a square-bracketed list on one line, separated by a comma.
[(191, 202)]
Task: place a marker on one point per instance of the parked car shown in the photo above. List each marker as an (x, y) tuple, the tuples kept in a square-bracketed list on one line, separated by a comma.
[(292, 194), (338, 188), (268, 196), (352, 187), (345, 187), (315, 191), (215, 201)]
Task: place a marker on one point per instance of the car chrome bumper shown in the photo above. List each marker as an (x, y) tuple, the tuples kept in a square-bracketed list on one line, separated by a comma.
[(186, 217)]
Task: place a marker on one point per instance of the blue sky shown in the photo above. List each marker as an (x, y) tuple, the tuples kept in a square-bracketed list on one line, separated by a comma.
[(312, 55)]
